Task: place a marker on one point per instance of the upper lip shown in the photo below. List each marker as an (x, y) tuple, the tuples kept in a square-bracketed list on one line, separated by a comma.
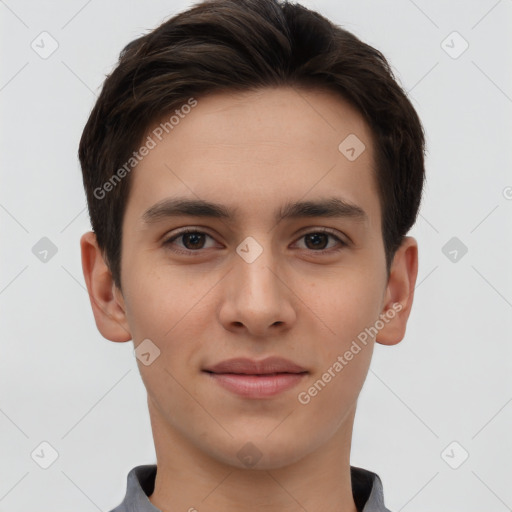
[(250, 367)]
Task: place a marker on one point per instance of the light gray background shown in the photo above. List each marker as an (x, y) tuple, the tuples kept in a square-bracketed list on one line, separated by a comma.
[(449, 380)]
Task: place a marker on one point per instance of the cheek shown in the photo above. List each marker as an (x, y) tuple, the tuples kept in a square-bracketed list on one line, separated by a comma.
[(344, 353), (166, 308), (157, 300), (333, 393), (345, 303)]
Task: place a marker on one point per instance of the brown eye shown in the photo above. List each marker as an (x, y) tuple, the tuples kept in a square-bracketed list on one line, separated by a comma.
[(317, 241), (191, 241)]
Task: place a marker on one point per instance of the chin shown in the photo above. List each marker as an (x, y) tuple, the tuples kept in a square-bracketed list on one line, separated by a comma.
[(260, 453)]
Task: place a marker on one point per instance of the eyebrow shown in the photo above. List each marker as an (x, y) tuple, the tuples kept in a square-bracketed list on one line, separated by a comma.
[(183, 206)]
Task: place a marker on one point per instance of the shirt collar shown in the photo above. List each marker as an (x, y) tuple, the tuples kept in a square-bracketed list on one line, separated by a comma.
[(366, 488)]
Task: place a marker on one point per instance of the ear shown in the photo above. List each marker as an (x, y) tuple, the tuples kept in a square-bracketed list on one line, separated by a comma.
[(399, 293), (106, 299)]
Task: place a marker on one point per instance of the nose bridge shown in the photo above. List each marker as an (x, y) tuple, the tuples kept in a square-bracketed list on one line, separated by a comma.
[(259, 299), (255, 269)]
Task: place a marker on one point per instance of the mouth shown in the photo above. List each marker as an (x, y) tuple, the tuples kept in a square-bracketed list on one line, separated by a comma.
[(256, 379)]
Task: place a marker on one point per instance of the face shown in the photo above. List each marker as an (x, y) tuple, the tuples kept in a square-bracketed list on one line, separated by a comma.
[(273, 279)]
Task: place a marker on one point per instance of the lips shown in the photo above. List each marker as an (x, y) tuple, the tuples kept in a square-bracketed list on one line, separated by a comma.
[(246, 366), (256, 379)]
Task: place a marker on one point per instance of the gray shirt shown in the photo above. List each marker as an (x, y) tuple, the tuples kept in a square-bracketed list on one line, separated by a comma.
[(366, 489)]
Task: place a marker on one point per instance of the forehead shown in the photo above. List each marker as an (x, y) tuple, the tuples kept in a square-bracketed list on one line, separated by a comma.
[(252, 149)]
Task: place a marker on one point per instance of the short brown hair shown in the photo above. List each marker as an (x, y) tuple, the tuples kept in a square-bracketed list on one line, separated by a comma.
[(239, 45)]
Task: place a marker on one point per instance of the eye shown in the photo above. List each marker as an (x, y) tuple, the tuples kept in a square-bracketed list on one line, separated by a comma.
[(317, 240), (193, 240)]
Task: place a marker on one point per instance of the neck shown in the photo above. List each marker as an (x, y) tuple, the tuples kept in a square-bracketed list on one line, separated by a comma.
[(189, 480)]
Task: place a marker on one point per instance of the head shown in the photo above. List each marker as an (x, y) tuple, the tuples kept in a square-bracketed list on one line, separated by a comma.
[(242, 109)]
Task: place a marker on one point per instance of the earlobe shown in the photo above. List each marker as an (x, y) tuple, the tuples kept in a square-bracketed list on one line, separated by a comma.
[(108, 308), (399, 293)]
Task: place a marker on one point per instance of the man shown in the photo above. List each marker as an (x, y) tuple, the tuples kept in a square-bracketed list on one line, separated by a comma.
[(251, 172)]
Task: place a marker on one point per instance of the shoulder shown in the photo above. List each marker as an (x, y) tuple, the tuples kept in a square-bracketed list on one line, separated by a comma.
[(367, 490), (140, 483)]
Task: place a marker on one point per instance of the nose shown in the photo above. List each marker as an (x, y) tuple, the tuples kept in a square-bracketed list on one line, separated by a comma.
[(257, 297)]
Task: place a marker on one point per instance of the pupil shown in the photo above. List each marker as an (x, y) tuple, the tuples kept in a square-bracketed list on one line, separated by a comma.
[(195, 237), (314, 237)]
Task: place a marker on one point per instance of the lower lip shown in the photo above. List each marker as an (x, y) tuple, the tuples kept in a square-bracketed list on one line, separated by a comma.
[(257, 386)]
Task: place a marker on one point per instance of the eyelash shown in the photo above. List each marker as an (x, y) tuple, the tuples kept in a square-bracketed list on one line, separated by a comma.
[(168, 242)]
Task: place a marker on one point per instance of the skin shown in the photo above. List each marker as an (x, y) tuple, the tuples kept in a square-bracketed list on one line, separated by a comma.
[(254, 151)]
